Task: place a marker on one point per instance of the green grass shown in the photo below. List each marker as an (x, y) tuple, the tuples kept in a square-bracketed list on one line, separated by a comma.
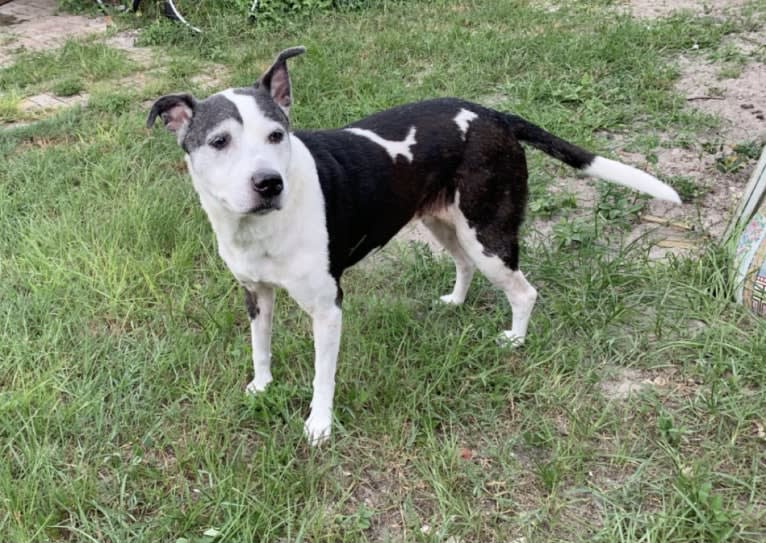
[(124, 347), (74, 61)]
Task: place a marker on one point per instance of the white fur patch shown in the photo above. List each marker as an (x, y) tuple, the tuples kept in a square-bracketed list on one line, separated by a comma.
[(617, 172), (463, 119), (520, 294), (393, 148)]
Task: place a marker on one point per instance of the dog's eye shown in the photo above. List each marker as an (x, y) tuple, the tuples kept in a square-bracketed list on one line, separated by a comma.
[(220, 141), (276, 137)]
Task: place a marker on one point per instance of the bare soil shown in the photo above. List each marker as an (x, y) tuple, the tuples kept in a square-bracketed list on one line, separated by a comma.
[(663, 8)]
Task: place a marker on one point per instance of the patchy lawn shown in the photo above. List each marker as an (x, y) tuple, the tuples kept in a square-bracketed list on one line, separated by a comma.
[(635, 412)]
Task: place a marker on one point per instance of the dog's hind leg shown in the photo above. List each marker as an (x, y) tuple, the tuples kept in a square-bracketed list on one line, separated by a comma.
[(260, 307), (504, 273), (464, 267), (522, 297)]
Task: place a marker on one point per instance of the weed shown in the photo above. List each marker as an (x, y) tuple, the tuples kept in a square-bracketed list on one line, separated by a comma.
[(687, 188), (575, 232), (548, 205), (68, 87), (702, 510), (750, 149), (9, 107), (618, 206), (74, 61), (109, 101), (730, 162)]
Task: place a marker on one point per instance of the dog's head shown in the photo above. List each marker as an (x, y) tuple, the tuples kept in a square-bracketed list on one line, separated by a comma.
[(237, 142)]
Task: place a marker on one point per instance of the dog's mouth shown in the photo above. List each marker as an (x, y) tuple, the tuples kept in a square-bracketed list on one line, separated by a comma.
[(265, 208)]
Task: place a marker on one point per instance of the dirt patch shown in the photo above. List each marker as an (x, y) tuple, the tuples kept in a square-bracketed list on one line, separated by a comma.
[(212, 77), (669, 382), (662, 8), (739, 102), (43, 142), (126, 41), (627, 382), (38, 26), (49, 101), (711, 213), (707, 216)]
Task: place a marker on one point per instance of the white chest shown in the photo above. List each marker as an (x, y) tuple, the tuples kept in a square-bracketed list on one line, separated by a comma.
[(284, 266)]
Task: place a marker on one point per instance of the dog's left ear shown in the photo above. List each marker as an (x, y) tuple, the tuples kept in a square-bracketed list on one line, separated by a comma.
[(276, 79), (175, 110)]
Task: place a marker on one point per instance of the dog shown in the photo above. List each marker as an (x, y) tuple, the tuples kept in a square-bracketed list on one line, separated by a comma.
[(294, 209)]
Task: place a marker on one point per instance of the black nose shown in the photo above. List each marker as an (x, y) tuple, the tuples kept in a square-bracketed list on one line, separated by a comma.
[(267, 183)]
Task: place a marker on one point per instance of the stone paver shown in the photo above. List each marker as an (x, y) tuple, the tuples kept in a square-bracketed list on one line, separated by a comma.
[(45, 101)]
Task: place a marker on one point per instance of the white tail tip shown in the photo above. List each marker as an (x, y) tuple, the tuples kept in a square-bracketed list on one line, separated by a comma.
[(617, 172)]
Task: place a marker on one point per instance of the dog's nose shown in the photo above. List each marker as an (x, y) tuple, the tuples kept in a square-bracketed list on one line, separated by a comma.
[(267, 183)]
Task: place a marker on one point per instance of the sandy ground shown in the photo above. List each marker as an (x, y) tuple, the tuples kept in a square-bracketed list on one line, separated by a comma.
[(663, 8)]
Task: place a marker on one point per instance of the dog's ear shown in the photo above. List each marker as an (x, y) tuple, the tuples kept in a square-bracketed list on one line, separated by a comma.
[(175, 110), (276, 79)]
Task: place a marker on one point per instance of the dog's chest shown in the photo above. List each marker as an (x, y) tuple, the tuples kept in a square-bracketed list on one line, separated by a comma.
[(296, 261), (269, 263)]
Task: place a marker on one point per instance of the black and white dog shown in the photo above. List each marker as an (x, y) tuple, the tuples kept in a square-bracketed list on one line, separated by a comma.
[(295, 209)]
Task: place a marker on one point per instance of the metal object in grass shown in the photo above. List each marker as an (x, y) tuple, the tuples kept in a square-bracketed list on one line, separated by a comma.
[(253, 14), (169, 9)]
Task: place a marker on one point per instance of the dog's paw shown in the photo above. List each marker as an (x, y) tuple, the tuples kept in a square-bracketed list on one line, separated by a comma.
[(317, 428), (258, 384), (450, 299), (509, 338)]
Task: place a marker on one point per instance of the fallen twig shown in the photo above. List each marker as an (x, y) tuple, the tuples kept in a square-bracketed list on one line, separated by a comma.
[(676, 244), (667, 222), (691, 98)]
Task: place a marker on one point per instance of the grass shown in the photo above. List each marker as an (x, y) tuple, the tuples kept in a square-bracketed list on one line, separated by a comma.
[(123, 339), (74, 61)]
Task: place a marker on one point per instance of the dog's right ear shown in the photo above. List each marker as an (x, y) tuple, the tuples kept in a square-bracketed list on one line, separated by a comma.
[(175, 110), (276, 80)]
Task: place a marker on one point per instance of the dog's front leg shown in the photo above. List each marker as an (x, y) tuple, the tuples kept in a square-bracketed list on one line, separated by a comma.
[(327, 328), (259, 300)]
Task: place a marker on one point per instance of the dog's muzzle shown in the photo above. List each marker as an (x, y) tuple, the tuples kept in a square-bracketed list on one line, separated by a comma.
[(268, 185)]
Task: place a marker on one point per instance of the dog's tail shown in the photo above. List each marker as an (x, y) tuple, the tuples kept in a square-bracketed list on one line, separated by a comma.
[(588, 163)]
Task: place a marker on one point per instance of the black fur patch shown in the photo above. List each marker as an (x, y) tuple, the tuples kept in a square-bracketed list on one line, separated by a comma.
[(493, 187), (251, 302), (550, 144)]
